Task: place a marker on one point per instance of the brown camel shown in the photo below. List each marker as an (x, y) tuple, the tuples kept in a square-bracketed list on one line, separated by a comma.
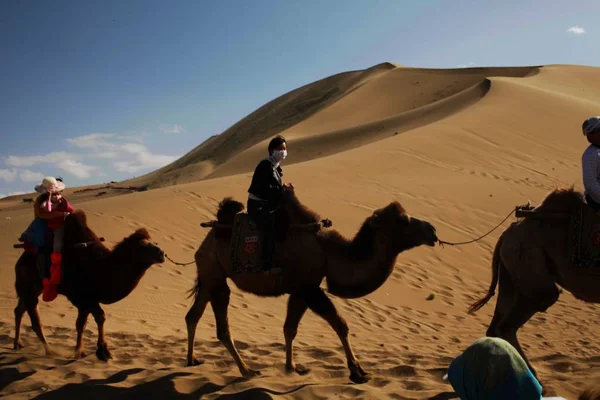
[(531, 258), (352, 268), (93, 275)]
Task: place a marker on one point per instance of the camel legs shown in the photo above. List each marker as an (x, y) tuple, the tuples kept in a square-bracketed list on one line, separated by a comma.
[(321, 305), (82, 317), (191, 321), (504, 302), (19, 311), (34, 315), (295, 311), (102, 351), (219, 300)]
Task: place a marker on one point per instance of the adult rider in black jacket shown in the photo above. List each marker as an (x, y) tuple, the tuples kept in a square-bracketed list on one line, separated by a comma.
[(265, 194)]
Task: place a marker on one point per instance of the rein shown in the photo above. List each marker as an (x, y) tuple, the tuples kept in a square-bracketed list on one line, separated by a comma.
[(178, 263), (524, 211), (443, 242)]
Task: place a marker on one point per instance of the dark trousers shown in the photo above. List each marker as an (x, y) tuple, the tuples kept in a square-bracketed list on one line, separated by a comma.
[(592, 203), (264, 216)]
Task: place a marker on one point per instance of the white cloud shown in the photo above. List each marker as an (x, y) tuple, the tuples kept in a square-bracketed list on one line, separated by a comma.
[(576, 30), (142, 159), (30, 176), (92, 141), (106, 154), (8, 175), (467, 65), (171, 129), (77, 168), (127, 153), (28, 161)]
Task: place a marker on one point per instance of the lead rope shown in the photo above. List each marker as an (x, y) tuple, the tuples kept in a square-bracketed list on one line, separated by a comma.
[(178, 263), (442, 242)]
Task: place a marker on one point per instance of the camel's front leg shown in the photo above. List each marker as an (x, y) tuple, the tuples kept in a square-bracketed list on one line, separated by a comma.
[(102, 351), (295, 311), (19, 311), (36, 324), (82, 317), (219, 300), (318, 302)]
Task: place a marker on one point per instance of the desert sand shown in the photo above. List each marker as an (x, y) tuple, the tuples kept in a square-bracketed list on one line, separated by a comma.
[(459, 148)]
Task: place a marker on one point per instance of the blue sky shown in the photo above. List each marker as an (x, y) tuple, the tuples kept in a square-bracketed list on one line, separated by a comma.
[(105, 90)]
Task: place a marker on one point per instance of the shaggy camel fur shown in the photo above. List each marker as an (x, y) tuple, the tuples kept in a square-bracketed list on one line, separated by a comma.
[(352, 268), (530, 259), (93, 275)]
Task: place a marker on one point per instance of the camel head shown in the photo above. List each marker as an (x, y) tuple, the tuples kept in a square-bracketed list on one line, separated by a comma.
[(144, 251), (404, 231)]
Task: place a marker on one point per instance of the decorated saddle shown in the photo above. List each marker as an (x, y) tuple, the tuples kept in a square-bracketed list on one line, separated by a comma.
[(584, 234), (246, 245)]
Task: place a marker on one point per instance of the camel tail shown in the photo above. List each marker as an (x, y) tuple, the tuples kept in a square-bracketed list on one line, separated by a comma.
[(194, 291), (495, 273)]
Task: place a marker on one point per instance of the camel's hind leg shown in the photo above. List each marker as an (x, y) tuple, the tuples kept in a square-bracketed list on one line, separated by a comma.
[(520, 313), (192, 318), (102, 351), (295, 311), (219, 300), (504, 303), (19, 311), (318, 302)]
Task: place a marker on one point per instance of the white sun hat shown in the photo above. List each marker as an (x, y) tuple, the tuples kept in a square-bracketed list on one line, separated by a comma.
[(50, 185)]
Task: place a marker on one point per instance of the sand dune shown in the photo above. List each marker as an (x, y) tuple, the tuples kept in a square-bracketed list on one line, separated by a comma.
[(461, 159)]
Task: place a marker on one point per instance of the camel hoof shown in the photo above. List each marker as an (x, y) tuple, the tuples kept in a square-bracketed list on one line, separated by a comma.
[(79, 354), (298, 368), (251, 373), (195, 362), (301, 369), (103, 353), (18, 346), (359, 378)]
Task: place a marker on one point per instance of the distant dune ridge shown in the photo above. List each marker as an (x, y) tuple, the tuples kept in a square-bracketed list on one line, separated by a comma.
[(458, 147)]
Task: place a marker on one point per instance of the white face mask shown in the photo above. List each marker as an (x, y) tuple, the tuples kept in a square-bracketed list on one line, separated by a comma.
[(279, 155)]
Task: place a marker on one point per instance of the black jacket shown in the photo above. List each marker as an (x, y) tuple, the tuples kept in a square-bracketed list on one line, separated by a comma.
[(266, 183)]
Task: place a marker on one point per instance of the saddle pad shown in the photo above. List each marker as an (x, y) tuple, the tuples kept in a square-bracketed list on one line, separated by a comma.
[(246, 246), (585, 235)]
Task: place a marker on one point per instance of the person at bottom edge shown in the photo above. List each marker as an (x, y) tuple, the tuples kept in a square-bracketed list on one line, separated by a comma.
[(492, 369), (264, 197), (52, 207)]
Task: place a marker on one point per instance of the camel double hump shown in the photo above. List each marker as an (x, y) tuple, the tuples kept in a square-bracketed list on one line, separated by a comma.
[(534, 255), (93, 275), (352, 268)]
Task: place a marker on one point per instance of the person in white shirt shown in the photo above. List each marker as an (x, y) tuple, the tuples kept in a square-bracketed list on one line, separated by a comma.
[(590, 162)]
